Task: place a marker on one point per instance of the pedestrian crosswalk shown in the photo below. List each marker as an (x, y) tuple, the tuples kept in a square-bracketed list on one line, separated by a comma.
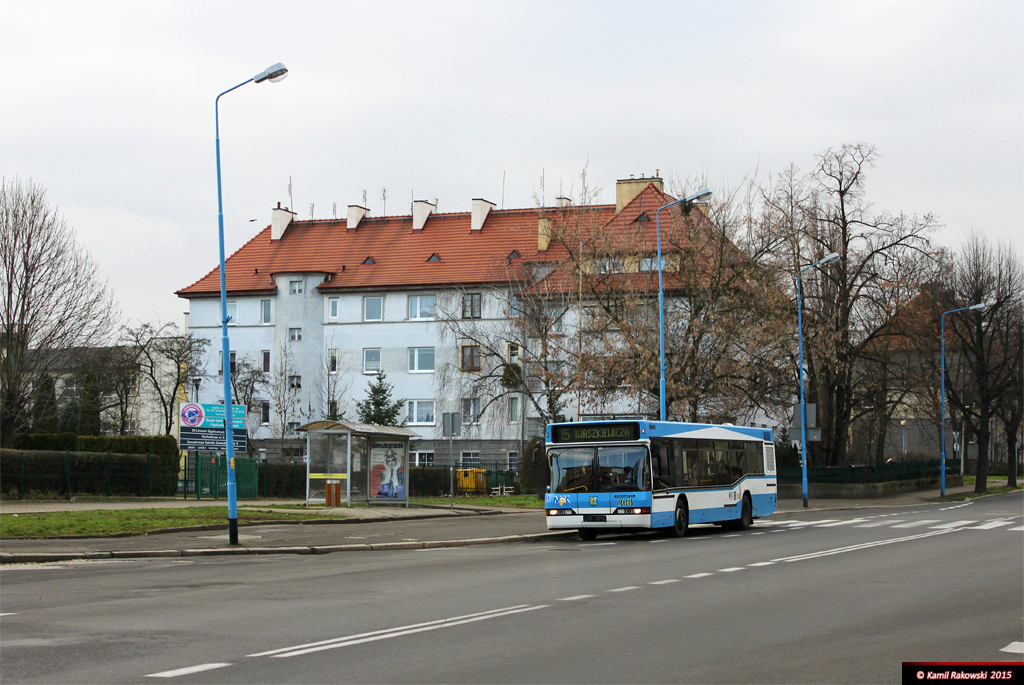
[(886, 520)]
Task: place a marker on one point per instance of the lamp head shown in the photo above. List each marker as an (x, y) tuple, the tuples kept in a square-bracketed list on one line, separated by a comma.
[(980, 305), (699, 195), (273, 73), (830, 258)]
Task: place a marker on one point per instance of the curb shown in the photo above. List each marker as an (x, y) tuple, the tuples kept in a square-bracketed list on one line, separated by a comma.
[(51, 557)]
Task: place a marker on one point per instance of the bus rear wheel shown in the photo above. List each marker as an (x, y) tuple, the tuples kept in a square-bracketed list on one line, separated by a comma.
[(588, 534), (680, 521)]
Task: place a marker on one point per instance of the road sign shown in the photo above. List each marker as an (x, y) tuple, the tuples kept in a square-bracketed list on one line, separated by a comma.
[(201, 427), (813, 434)]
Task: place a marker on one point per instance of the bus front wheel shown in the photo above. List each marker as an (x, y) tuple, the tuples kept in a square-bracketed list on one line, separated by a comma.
[(680, 521), (746, 515), (588, 534)]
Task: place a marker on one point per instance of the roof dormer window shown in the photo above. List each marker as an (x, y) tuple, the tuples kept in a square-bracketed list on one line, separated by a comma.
[(434, 258), (369, 261)]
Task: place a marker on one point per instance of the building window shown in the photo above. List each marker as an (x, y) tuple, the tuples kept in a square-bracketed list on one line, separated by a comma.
[(332, 309), (293, 427), (295, 382), (232, 313), (422, 458), (220, 371), (513, 353), (295, 287), (651, 263), (513, 461), (371, 360), (295, 334), (421, 359), (513, 410), (421, 307), (421, 413), (611, 265), (470, 358), (373, 309), (470, 460), (332, 361), (471, 306), (266, 361), (265, 412), (264, 311), (555, 316), (470, 410)]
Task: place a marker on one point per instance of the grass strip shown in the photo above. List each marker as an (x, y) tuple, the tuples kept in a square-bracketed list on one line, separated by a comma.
[(522, 501), (126, 521)]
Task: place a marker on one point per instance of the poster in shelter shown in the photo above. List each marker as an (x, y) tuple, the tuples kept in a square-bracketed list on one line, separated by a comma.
[(387, 470)]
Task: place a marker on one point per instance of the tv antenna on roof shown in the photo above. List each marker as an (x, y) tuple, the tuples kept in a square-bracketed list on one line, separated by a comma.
[(334, 209), (384, 198), (291, 200)]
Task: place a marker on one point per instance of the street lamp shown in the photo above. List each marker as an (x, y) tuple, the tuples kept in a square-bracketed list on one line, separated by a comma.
[(800, 367), (273, 73), (942, 397), (699, 195)]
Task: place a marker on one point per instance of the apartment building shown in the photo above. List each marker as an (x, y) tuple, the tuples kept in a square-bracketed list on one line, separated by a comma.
[(323, 306)]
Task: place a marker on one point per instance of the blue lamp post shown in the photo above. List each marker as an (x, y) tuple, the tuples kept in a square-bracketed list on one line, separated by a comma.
[(699, 195), (273, 73), (942, 343), (800, 366)]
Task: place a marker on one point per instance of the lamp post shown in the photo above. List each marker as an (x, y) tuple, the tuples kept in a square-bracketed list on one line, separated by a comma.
[(942, 397), (699, 195), (273, 73), (800, 366)]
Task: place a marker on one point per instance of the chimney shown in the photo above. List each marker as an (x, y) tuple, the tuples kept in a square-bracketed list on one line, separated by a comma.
[(543, 233), (355, 215), (564, 202), (628, 188), (481, 208), (421, 209), (280, 219)]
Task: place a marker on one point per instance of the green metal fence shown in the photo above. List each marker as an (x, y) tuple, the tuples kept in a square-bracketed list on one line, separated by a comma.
[(50, 474), (486, 478), (206, 476), (871, 473)]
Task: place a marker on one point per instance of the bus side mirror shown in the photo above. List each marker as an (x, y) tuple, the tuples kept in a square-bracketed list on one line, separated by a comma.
[(547, 488)]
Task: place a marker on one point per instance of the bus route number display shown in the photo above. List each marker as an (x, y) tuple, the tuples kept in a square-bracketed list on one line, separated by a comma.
[(595, 432)]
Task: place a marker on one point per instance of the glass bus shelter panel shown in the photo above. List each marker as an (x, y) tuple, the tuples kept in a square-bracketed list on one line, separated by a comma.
[(359, 482)]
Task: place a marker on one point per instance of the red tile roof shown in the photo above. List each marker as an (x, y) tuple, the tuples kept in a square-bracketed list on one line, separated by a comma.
[(400, 256), (386, 253)]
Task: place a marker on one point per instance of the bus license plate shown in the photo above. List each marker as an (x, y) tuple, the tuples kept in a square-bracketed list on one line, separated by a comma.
[(594, 518)]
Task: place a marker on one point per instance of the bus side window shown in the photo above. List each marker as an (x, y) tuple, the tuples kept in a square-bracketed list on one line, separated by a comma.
[(660, 464)]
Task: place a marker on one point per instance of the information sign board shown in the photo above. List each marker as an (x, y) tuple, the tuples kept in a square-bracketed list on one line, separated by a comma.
[(201, 427)]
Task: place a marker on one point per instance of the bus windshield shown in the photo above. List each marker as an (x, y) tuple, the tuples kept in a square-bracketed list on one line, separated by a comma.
[(618, 468)]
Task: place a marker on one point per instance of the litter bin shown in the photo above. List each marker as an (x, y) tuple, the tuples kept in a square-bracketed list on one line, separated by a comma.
[(333, 493)]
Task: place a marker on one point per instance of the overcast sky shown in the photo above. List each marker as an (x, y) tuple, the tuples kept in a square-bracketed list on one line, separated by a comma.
[(110, 106)]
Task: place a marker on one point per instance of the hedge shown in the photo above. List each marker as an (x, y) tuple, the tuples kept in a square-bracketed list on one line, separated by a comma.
[(50, 473), (164, 445)]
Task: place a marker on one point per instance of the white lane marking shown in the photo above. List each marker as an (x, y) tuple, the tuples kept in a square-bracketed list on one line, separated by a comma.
[(663, 582), (1014, 648), (573, 599), (954, 524), (801, 524), (876, 524), (186, 671), (840, 523), (730, 569), (373, 636), (757, 533), (777, 531), (867, 545), (653, 542), (732, 535), (699, 575), (1017, 528), (763, 563), (625, 589), (13, 613), (600, 544), (915, 524), (993, 524)]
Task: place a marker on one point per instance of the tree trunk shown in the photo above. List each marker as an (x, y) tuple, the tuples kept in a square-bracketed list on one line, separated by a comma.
[(981, 472)]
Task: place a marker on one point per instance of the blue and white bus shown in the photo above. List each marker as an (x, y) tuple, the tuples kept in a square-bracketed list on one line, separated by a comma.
[(616, 476)]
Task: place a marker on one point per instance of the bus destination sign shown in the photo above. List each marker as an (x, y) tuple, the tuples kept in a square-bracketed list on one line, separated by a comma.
[(595, 432)]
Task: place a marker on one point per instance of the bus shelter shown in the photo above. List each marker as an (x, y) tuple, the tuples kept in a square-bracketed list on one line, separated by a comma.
[(354, 462)]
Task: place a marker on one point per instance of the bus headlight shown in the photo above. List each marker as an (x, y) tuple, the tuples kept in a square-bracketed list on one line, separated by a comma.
[(633, 510), (561, 512)]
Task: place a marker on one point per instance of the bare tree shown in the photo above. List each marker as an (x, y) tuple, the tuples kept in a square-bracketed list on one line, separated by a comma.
[(851, 305), (248, 384), (167, 359), (989, 340), (332, 383), (285, 386), (51, 297)]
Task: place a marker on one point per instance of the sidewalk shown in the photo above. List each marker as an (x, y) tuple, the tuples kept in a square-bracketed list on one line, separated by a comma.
[(377, 528)]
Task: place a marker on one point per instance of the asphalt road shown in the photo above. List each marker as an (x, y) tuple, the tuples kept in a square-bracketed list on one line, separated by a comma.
[(838, 596)]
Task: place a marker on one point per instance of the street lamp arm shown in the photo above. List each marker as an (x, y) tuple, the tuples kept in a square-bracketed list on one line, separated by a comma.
[(942, 394)]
